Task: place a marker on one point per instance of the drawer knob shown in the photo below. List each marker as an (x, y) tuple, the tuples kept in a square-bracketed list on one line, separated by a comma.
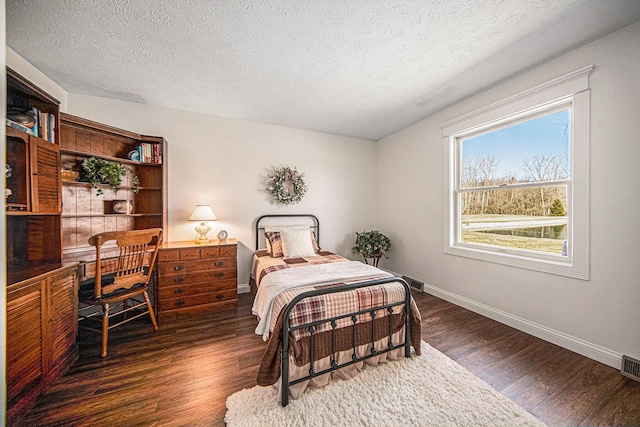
[(178, 291), (178, 267), (219, 296), (179, 302), (178, 279), (219, 263), (219, 274)]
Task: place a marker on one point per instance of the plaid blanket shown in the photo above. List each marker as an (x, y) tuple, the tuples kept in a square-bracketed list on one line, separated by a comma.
[(327, 306), (299, 349), (263, 263)]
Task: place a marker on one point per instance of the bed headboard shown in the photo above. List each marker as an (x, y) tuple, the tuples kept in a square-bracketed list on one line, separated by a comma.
[(286, 219)]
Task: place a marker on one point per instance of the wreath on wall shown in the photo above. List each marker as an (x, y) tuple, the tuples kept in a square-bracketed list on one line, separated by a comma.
[(286, 185)]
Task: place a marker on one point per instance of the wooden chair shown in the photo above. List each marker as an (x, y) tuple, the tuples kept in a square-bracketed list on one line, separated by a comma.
[(120, 279)]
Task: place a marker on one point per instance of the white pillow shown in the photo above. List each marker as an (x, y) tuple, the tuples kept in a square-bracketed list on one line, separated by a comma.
[(297, 243), (268, 228)]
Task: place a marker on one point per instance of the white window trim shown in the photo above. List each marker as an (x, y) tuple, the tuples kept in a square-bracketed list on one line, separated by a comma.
[(573, 87)]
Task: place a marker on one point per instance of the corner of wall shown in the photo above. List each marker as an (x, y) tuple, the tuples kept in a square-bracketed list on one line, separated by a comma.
[(23, 67)]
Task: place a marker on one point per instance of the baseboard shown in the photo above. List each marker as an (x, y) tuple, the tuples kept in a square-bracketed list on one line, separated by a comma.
[(243, 288), (584, 348)]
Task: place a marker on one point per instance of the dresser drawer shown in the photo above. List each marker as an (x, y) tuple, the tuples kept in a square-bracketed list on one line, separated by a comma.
[(196, 277), (187, 267), (189, 301), (228, 251), (172, 292), (185, 254)]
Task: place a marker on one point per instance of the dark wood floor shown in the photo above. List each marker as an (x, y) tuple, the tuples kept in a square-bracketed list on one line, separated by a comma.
[(182, 374)]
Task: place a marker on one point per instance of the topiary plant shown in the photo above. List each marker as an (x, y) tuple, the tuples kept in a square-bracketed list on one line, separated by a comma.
[(371, 244), (99, 171)]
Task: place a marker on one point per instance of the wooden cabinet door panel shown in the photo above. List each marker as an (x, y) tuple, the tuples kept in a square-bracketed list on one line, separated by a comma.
[(24, 338), (45, 176), (17, 152), (63, 320)]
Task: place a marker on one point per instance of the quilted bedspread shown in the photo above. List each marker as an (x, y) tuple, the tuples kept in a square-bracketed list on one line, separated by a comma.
[(264, 263), (277, 287)]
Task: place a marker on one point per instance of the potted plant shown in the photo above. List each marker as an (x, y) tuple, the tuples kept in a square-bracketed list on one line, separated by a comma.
[(372, 244), (99, 171)]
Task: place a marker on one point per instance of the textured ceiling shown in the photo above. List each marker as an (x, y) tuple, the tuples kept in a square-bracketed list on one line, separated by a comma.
[(360, 68)]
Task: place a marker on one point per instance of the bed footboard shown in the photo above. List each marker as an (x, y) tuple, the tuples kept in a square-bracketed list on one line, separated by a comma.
[(391, 308)]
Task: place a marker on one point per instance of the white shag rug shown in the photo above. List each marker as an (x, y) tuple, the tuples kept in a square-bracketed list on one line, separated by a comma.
[(426, 390)]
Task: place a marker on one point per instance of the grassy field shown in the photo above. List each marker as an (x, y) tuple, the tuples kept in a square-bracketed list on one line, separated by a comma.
[(533, 244)]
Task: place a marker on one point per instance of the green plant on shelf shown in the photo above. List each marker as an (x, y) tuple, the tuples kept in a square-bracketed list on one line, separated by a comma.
[(99, 171)]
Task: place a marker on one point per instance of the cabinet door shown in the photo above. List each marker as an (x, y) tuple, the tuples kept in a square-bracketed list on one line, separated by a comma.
[(45, 176), (17, 152), (62, 316), (24, 337)]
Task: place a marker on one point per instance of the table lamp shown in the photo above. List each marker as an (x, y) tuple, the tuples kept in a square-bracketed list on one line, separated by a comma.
[(202, 213)]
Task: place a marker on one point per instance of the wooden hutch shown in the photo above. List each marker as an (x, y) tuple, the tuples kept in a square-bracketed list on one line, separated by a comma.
[(48, 222)]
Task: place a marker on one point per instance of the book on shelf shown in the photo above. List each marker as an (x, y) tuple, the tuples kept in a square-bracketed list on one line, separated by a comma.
[(155, 153), (150, 153), (36, 126), (19, 127), (44, 126), (51, 135)]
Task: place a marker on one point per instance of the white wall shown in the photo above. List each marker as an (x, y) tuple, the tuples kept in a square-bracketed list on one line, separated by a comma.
[(597, 318), (225, 162)]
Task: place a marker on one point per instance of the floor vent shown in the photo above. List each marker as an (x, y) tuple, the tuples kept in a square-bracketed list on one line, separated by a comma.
[(414, 283), (630, 368)]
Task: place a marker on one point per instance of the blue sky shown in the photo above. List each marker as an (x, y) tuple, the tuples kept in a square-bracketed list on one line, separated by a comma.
[(513, 145)]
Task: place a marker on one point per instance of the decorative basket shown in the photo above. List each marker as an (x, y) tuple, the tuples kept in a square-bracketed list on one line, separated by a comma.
[(68, 176)]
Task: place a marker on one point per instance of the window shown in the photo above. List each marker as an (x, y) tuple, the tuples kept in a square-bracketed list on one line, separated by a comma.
[(517, 187)]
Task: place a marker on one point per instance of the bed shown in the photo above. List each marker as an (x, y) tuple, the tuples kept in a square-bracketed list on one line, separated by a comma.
[(322, 315)]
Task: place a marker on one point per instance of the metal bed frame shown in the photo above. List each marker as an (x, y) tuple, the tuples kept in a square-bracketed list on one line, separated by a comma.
[(315, 224), (312, 326)]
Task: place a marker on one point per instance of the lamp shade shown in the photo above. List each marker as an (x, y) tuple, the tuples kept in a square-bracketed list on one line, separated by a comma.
[(202, 213)]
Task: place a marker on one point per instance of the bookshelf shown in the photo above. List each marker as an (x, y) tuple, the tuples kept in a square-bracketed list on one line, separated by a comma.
[(41, 291), (32, 192), (84, 211)]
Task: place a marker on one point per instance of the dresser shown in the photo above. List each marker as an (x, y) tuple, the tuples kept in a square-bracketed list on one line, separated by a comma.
[(195, 279)]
